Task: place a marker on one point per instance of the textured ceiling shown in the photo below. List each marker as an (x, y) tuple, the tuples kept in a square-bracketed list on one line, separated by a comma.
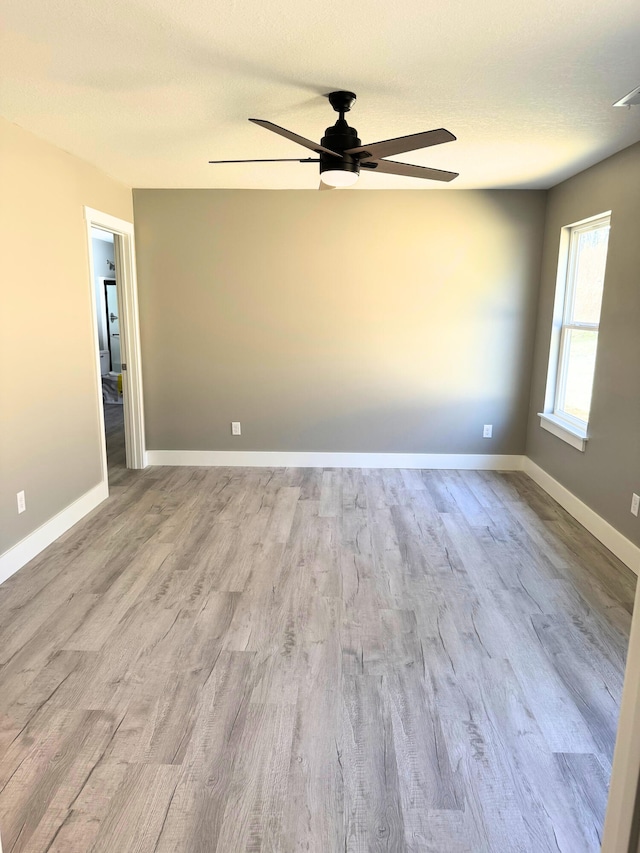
[(150, 90)]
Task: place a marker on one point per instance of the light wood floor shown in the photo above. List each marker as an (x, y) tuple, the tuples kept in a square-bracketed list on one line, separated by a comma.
[(305, 660), (114, 431)]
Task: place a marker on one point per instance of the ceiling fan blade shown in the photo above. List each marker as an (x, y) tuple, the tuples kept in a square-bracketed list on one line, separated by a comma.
[(276, 160), (307, 143), (388, 147), (407, 170)]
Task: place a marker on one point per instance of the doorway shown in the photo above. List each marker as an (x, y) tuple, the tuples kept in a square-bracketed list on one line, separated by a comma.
[(117, 343), (104, 277)]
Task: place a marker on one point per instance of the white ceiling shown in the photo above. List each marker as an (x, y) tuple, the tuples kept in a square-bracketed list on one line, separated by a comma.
[(150, 90)]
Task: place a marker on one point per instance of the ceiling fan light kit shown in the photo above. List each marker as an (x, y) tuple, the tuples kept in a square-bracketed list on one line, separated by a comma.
[(342, 154), (338, 177)]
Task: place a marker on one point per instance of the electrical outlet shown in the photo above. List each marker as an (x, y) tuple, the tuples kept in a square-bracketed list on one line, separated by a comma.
[(235, 428), (635, 504), (22, 504), (487, 432)]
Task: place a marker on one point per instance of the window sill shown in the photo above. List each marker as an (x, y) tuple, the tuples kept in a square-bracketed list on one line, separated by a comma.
[(574, 436)]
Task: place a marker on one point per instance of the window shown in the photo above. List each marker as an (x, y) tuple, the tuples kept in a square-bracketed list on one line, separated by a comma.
[(574, 340)]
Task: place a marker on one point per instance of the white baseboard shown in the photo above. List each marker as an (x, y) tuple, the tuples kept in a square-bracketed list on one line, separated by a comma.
[(35, 542), (618, 544), (321, 459)]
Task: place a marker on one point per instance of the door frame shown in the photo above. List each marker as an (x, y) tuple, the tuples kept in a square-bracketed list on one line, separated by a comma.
[(102, 322), (127, 290), (108, 282)]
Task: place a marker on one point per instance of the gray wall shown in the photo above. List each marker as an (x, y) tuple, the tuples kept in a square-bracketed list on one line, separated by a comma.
[(344, 321), (50, 442), (607, 473)]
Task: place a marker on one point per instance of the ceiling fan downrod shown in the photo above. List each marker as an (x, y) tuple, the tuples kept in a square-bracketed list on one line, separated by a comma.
[(339, 137)]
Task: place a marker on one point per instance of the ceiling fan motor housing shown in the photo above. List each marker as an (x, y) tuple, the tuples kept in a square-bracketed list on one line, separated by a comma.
[(338, 138)]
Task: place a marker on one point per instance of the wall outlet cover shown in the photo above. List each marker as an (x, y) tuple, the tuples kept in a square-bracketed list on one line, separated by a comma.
[(487, 431), (235, 428), (635, 504), (22, 504)]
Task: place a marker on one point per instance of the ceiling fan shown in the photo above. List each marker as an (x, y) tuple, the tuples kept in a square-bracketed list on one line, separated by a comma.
[(342, 155)]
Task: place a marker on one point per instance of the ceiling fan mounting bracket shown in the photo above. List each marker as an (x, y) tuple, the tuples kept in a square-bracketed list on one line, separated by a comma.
[(341, 101)]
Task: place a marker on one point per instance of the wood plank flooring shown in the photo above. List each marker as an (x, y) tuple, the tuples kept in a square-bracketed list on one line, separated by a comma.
[(114, 431), (312, 660)]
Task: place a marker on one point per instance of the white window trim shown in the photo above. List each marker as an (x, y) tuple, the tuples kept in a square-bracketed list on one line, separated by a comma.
[(563, 426), (573, 435)]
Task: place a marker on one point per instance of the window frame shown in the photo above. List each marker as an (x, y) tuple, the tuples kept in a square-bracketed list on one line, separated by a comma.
[(571, 429)]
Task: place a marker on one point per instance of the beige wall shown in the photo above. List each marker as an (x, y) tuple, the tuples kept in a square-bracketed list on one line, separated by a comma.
[(338, 321), (607, 473), (49, 430)]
